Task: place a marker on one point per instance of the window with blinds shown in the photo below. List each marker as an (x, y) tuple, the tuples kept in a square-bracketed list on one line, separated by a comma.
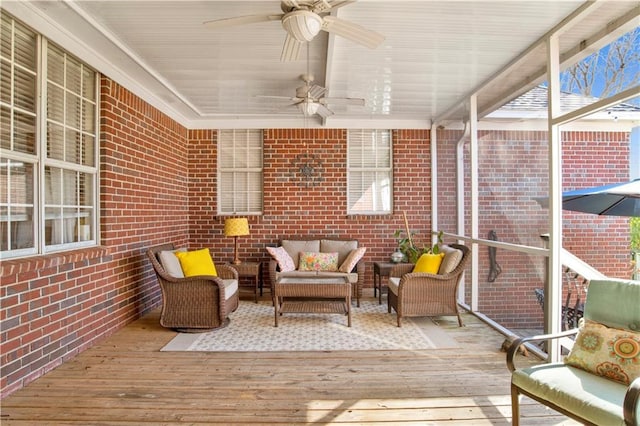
[(369, 172), (240, 172), (48, 171)]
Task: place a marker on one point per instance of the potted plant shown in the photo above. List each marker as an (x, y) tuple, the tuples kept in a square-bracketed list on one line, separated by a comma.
[(412, 251)]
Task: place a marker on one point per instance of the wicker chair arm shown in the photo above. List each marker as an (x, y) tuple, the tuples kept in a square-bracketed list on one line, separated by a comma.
[(400, 269), (226, 272), (513, 348)]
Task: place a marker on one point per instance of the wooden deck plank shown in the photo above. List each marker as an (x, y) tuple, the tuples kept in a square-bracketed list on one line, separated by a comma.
[(126, 380)]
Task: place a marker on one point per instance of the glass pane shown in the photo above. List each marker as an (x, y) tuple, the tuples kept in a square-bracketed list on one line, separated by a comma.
[(84, 227), (53, 186), (55, 141), (70, 225), (17, 182), (24, 90), (5, 128), (88, 150), (86, 189), (69, 191), (53, 226), (21, 228), (25, 47), (55, 103), (5, 36), (5, 82), (88, 117), (24, 133), (88, 84), (4, 180), (72, 146), (72, 111), (383, 157), (55, 65), (74, 76)]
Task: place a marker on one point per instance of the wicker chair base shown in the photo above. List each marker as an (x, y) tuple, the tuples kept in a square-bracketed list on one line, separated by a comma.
[(203, 330)]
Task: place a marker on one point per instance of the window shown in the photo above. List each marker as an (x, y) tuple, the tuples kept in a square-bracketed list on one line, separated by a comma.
[(48, 172), (239, 172), (369, 172)]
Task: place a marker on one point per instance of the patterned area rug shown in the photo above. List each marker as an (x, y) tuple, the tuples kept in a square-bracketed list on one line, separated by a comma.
[(252, 330)]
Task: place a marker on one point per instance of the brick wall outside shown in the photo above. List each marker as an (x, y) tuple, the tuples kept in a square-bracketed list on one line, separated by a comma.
[(513, 172)]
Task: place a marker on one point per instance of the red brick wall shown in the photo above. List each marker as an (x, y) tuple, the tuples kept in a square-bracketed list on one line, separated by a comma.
[(291, 207), (513, 172), (55, 306)]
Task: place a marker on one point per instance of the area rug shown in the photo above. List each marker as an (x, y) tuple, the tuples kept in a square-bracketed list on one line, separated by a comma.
[(252, 330)]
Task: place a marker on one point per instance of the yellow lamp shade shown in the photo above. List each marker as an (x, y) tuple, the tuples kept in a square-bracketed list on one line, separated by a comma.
[(236, 227)]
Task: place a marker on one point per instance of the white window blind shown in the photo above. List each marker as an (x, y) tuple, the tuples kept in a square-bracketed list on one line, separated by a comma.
[(239, 172), (369, 174)]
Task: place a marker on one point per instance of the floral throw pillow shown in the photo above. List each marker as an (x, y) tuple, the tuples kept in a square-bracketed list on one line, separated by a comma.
[(608, 352), (282, 257), (312, 261)]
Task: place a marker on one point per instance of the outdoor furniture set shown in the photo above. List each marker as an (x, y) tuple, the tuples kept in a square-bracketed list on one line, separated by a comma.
[(307, 274)]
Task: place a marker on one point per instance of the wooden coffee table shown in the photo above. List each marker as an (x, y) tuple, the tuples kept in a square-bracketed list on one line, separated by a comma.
[(312, 295)]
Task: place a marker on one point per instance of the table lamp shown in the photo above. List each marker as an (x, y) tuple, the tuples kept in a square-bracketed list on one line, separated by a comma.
[(236, 227)]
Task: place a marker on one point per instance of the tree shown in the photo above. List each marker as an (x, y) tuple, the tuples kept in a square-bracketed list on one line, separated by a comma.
[(608, 71)]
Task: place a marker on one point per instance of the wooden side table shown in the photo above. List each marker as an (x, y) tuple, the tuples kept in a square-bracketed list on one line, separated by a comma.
[(251, 270), (380, 270)]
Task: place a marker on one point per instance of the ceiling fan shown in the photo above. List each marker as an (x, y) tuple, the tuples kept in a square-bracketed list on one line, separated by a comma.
[(310, 98), (303, 20)]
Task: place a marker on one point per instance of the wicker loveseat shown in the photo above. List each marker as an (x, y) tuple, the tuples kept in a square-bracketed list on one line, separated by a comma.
[(424, 294), (296, 245), (195, 304)]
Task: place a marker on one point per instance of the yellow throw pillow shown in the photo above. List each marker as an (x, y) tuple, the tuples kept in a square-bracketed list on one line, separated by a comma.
[(197, 262), (429, 263)]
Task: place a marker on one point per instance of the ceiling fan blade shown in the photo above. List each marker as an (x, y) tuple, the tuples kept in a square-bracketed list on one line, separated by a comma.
[(316, 91), (343, 101), (339, 3), (291, 49), (351, 31), (240, 20), (323, 111), (284, 98)]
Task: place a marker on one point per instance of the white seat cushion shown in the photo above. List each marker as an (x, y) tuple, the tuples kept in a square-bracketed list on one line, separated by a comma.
[(230, 288), (394, 283)]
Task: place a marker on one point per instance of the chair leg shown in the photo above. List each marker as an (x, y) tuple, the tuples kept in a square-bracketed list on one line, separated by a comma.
[(460, 324), (515, 406), (399, 321)]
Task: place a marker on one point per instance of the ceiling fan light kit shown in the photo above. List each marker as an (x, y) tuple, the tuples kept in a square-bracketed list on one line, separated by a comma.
[(302, 25), (308, 108), (303, 20)]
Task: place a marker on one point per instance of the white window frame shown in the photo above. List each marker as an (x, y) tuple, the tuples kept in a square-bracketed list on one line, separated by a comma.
[(240, 172), (366, 152), (78, 223)]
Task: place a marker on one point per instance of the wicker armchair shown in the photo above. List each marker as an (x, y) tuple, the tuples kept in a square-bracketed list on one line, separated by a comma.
[(424, 294), (194, 304)]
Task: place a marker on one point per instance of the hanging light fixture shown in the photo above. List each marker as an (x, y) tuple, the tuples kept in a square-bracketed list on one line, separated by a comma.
[(302, 25), (308, 107)]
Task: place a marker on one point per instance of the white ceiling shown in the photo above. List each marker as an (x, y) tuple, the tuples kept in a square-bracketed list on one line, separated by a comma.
[(435, 54)]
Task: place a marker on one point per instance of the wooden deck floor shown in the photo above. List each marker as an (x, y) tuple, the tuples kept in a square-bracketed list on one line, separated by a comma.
[(125, 380)]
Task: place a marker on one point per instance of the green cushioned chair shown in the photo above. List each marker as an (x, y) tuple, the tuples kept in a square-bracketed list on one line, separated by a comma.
[(577, 393)]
